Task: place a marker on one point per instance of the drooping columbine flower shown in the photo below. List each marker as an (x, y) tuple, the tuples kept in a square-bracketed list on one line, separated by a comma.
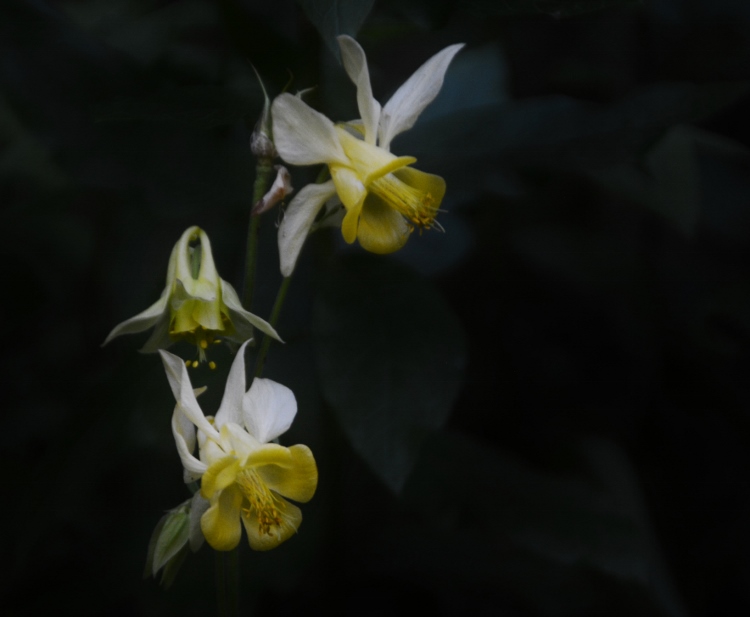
[(243, 477), (196, 305), (384, 197)]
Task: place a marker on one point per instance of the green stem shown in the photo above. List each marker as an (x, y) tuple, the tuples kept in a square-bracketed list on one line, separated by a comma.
[(275, 312), (263, 174), (227, 582)]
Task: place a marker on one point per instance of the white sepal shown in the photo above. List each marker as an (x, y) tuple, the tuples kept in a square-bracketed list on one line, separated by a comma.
[(183, 431), (355, 64), (142, 321), (269, 409), (230, 409), (402, 110), (298, 218), (302, 135), (243, 320), (179, 381)]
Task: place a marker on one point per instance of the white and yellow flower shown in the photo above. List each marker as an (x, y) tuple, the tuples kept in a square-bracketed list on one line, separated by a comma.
[(244, 477), (384, 197), (196, 305)]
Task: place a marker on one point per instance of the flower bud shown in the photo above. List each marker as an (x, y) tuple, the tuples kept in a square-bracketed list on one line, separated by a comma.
[(261, 141)]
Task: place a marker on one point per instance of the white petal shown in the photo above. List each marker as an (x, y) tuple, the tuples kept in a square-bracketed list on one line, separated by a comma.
[(298, 218), (142, 321), (355, 64), (269, 409), (401, 112), (243, 320), (241, 441), (184, 438), (159, 338), (179, 381), (230, 409), (302, 135)]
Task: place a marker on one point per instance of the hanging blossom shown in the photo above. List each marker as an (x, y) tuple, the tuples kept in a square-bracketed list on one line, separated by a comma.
[(243, 476), (384, 197), (196, 305)]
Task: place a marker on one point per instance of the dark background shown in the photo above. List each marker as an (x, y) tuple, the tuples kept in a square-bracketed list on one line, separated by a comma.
[(574, 434)]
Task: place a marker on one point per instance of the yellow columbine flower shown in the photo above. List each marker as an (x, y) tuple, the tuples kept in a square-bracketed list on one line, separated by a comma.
[(243, 477), (384, 197), (196, 305)]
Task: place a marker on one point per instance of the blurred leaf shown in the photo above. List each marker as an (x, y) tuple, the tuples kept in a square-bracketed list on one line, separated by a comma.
[(390, 353), (585, 535), (554, 8), (559, 132), (335, 17), (202, 106), (667, 183)]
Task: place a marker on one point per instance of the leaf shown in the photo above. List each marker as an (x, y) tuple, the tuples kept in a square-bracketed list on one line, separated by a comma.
[(573, 543), (335, 17), (202, 107), (391, 355), (561, 132), (553, 8)]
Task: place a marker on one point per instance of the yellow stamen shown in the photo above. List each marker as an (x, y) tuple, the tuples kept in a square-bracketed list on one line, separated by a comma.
[(212, 365), (260, 499), (417, 206)]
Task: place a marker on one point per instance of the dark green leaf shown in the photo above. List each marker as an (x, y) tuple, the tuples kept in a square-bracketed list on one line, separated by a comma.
[(335, 17), (560, 132), (500, 519), (390, 354), (199, 106)]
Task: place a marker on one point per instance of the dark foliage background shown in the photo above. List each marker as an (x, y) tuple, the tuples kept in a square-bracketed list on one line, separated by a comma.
[(573, 437)]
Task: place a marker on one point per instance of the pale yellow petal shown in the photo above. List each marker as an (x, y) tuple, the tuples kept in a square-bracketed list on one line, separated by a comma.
[(219, 475), (350, 224), (349, 185), (290, 518), (381, 228), (220, 524), (429, 184), (295, 478)]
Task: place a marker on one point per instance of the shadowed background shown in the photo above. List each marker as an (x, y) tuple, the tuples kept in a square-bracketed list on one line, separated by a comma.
[(543, 411)]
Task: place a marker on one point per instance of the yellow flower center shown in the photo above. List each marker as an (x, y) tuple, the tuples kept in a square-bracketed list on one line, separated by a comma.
[(260, 500), (417, 206)]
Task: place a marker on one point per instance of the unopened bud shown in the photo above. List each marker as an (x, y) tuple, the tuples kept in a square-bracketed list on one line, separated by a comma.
[(261, 141)]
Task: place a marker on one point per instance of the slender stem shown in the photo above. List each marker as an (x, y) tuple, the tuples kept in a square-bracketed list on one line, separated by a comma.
[(263, 173), (228, 562), (275, 312), (227, 582)]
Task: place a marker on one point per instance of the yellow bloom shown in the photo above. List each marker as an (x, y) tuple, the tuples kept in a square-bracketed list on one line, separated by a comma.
[(384, 197), (245, 479), (196, 305)]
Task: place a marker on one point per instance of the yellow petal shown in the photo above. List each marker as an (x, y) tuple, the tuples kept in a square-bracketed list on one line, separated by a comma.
[(208, 314), (381, 228), (221, 522), (429, 184), (263, 538), (296, 477), (394, 165), (219, 475), (350, 224), (348, 185)]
